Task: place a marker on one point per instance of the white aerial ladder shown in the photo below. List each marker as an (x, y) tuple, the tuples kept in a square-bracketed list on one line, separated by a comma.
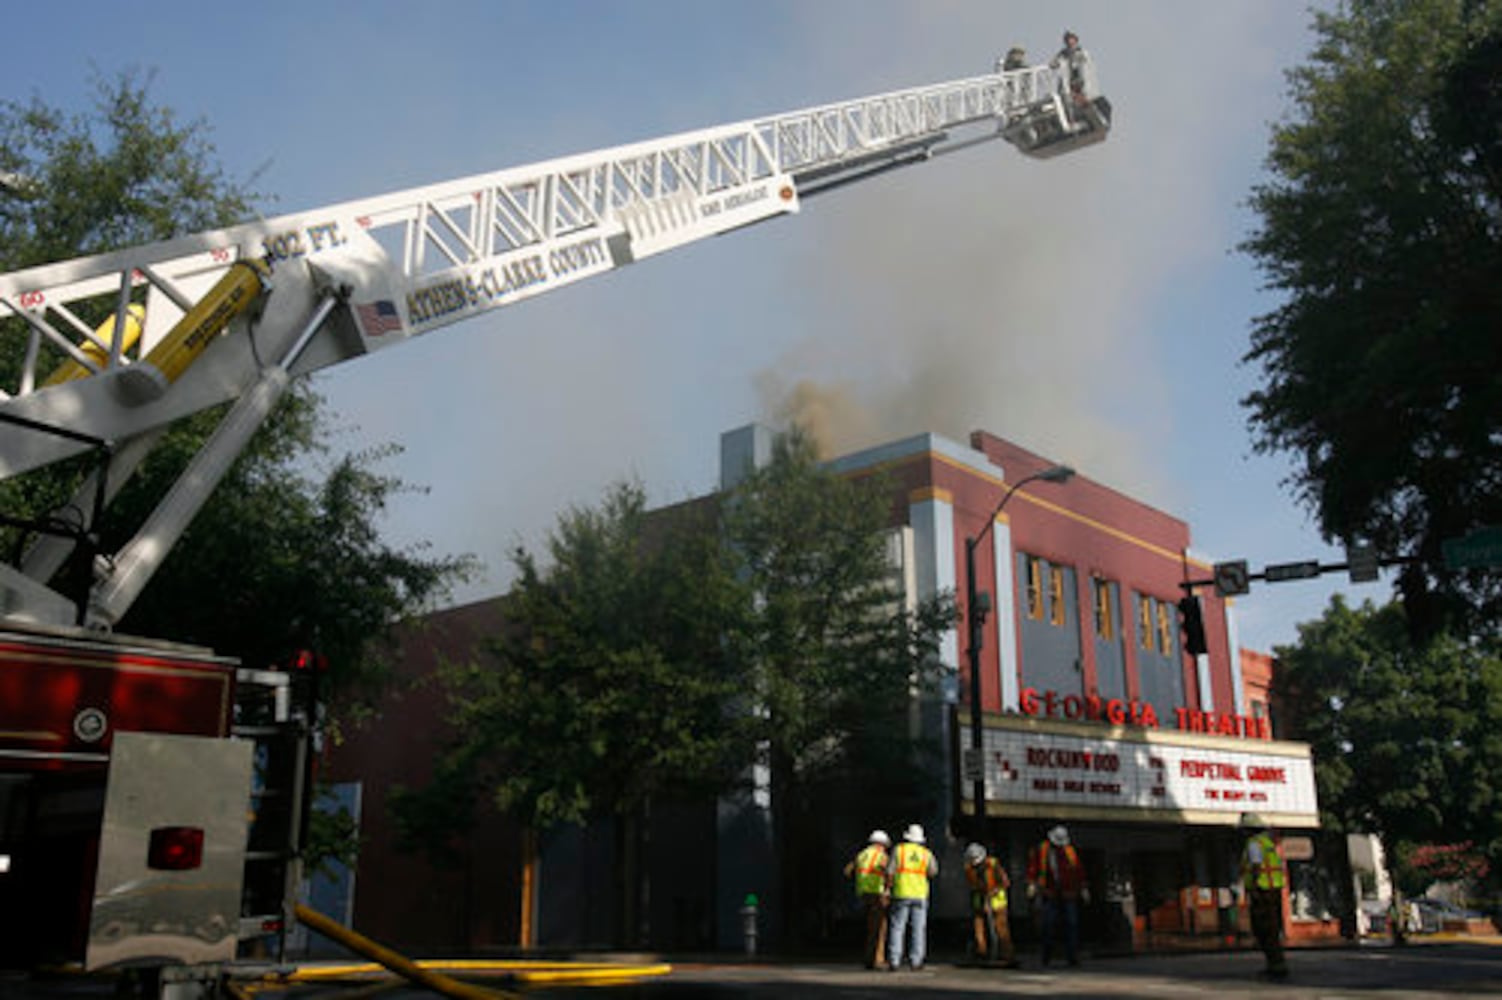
[(233, 314)]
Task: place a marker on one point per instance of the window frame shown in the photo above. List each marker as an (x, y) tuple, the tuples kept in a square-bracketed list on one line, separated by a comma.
[(1146, 627), (1034, 588), (1105, 616), (1056, 604)]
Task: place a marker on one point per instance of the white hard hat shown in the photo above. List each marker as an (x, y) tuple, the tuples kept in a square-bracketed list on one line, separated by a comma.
[(974, 854), (1059, 836), (1253, 821), (913, 834), (879, 837)]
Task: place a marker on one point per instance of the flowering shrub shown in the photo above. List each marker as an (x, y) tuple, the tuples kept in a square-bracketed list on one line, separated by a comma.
[(1448, 862)]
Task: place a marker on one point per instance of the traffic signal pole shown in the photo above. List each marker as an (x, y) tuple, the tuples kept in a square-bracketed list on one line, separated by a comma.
[(1231, 579), (1282, 572)]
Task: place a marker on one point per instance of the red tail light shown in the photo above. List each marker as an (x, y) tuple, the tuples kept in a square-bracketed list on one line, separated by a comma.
[(175, 848)]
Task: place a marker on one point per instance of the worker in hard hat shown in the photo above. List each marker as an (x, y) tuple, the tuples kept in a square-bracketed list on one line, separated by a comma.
[(1263, 876), (869, 868), (1057, 878), (913, 866), (988, 881)]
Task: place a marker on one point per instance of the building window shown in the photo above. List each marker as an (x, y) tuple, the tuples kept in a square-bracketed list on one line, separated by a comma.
[(1165, 629), (1144, 621), (1034, 588), (1056, 594), (1105, 616)]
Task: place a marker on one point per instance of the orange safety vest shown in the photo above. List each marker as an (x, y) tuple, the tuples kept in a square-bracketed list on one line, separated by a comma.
[(990, 882), (1069, 876), (1269, 873), (871, 870), (910, 880)]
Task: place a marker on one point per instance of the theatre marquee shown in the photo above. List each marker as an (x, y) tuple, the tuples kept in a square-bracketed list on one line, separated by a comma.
[(1060, 769)]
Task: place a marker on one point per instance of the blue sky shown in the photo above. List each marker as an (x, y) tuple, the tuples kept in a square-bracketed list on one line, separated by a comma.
[(1091, 308)]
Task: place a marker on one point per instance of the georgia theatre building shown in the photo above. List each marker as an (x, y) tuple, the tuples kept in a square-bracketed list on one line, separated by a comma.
[(1093, 713)]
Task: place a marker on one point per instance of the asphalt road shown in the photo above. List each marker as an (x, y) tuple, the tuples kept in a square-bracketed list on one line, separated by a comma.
[(1425, 971), (1432, 969)]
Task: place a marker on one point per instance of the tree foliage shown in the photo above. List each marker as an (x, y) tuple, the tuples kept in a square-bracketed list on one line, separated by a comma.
[(1404, 733), (125, 173), (836, 659), (1381, 227), (277, 560), (661, 653), (1422, 865), (609, 683)]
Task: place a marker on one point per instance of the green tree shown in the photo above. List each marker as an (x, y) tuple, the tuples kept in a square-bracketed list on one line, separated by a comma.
[(1381, 227), (276, 561), (291, 562), (836, 658), (1403, 732), (124, 173), (606, 688), (661, 653)]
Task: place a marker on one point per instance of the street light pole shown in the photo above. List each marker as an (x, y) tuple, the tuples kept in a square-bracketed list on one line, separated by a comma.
[(977, 606)]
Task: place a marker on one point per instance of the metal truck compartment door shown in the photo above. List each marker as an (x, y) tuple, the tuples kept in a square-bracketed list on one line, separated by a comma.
[(171, 851)]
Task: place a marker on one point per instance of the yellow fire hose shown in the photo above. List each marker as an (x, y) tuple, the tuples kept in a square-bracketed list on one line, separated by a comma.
[(425, 972)]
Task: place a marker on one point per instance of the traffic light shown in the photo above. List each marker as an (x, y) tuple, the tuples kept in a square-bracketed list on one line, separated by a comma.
[(307, 661), (1194, 626)]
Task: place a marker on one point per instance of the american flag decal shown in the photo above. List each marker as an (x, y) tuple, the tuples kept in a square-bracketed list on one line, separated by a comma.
[(377, 318)]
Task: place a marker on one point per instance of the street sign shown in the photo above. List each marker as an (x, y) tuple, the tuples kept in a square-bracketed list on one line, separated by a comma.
[(1298, 848), (1291, 571), (1361, 563), (1231, 578), (971, 767), (1482, 547)]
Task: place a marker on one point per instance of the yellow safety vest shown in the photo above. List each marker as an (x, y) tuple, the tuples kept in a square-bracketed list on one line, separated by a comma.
[(1269, 874), (870, 870), (987, 884), (911, 878)]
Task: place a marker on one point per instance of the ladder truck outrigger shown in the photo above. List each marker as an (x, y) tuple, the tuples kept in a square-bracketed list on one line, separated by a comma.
[(124, 786)]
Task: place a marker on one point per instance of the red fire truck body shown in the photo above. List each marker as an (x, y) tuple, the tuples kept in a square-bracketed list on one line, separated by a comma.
[(116, 843), (64, 694)]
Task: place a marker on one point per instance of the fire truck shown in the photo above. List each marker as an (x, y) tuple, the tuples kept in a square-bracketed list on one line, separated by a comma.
[(128, 766)]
